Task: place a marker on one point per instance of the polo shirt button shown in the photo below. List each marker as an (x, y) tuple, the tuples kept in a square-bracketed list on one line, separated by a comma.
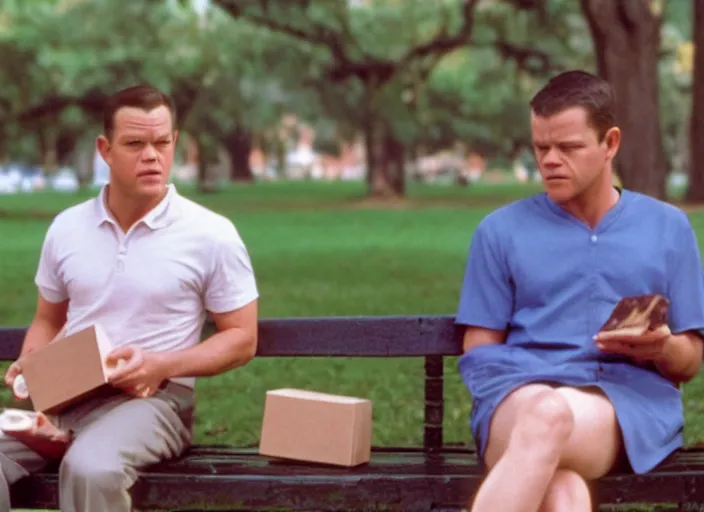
[(594, 238)]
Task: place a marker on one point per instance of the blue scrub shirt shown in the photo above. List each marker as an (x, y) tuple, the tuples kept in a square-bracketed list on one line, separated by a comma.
[(552, 281)]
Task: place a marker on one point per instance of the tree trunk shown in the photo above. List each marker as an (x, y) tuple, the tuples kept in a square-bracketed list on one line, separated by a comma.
[(47, 145), (3, 141), (394, 164), (368, 126), (238, 144), (695, 189), (385, 161), (82, 161), (205, 158), (378, 185), (384, 154), (65, 146), (626, 35)]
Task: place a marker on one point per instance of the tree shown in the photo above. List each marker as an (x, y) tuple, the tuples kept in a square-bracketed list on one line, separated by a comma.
[(228, 78), (384, 49), (252, 77), (626, 36), (75, 53), (695, 190), (480, 94)]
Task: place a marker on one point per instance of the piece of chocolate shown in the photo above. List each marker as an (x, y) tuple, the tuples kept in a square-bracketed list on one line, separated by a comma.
[(647, 312)]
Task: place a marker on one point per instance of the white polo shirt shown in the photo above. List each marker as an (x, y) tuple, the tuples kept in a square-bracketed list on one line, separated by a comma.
[(152, 286)]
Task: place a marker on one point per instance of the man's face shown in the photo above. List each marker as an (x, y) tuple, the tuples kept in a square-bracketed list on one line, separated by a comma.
[(140, 152), (570, 156)]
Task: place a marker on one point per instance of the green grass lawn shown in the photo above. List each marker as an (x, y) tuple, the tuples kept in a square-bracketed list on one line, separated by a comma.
[(320, 249)]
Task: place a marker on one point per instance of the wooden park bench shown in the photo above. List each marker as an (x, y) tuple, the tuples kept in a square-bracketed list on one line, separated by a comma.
[(432, 477)]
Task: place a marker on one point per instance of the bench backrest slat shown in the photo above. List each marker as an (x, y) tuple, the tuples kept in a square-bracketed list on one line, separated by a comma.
[(382, 336), (11, 342)]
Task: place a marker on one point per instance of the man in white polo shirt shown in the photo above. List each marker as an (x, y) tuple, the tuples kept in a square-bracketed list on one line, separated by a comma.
[(147, 265)]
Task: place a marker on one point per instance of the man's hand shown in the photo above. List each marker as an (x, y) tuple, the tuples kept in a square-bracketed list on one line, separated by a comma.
[(135, 371), (14, 371), (36, 431), (649, 346)]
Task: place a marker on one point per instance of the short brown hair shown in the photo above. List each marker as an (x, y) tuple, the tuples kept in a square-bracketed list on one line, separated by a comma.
[(143, 96), (578, 89)]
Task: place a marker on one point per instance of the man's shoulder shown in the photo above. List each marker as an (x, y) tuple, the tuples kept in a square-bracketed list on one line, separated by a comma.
[(75, 215), (205, 221), (507, 215), (646, 205)]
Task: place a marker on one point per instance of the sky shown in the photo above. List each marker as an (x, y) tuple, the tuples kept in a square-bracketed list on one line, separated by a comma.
[(200, 5)]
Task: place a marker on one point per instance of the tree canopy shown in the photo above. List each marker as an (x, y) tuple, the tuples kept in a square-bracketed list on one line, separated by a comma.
[(407, 78)]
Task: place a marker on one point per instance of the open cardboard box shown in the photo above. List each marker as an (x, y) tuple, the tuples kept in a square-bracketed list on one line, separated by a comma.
[(316, 427), (67, 370)]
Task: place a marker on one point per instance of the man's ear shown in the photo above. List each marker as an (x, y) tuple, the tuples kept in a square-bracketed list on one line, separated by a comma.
[(612, 138), (103, 145), (175, 137)]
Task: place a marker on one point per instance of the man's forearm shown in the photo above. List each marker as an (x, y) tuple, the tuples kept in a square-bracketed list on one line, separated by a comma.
[(39, 333), (220, 352), (681, 358)]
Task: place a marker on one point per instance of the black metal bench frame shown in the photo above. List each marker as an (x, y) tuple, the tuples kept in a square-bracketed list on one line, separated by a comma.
[(432, 477)]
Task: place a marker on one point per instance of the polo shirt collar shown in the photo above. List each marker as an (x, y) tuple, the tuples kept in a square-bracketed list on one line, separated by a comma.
[(158, 217)]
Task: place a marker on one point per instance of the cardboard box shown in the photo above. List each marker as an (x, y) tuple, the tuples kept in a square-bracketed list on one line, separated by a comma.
[(316, 427), (67, 370)]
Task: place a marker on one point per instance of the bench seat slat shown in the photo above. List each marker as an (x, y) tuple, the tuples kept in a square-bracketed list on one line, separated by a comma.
[(383, 462), (212, 478)]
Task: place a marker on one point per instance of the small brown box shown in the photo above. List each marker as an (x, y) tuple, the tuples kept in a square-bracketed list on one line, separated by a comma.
[(316, 427), (66, 370)]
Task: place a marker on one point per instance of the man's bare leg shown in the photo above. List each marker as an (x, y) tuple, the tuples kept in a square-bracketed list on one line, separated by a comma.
[(596, 426), (567, 491), (536, 431), (526, 439)]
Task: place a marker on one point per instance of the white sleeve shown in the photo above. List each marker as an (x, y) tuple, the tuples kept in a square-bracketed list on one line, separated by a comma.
[(231, 283), (48, 279)]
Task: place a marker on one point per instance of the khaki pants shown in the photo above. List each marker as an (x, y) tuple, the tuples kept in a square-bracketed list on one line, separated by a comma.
[(114, 436)]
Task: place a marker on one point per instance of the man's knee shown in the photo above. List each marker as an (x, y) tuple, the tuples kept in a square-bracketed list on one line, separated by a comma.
[(81, 468), (567, 491), (544, 423)]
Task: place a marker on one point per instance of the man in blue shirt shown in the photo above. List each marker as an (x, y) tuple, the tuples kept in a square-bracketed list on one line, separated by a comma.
[(555, 406)]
